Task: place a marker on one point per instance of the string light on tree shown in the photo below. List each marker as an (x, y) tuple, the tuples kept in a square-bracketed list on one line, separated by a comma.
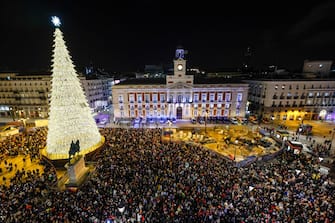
[(70, 118)]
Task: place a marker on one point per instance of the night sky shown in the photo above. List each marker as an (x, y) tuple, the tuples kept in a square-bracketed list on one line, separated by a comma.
[(126, 36)]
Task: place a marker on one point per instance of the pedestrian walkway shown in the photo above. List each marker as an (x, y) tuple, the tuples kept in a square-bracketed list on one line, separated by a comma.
[(11, 165)]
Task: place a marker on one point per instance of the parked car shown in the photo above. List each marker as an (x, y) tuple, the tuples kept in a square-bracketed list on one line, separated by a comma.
[(234, 121), (244, 121)]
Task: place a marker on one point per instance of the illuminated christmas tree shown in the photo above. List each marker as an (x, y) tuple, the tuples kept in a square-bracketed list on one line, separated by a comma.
[(70, 118)]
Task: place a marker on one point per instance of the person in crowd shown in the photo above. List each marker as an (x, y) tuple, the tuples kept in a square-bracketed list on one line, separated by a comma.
[(140, 178)]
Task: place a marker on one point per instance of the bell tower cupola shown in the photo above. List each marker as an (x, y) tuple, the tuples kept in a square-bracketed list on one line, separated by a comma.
[(179, 69)]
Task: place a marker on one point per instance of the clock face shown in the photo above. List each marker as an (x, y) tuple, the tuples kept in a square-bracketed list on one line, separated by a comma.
[(180, 67)]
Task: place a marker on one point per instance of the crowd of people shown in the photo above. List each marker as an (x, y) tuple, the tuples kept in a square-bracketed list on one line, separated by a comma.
[(140, 178)]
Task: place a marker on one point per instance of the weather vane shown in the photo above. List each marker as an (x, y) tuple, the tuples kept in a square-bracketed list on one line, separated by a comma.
[(56, 21)]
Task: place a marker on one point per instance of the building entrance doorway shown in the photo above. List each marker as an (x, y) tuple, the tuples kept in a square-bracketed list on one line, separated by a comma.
[(179, 113)]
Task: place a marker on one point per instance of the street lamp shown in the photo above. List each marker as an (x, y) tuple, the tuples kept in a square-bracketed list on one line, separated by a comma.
[(236, 142), (12, 113), (206, 115)]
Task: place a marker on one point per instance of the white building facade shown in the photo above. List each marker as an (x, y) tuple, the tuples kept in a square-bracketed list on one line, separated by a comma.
[(27, 95), (293, 99), (179, 96)]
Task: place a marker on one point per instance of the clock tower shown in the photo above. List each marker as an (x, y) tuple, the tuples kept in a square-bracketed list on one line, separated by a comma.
[(179, 62), (179, 71)]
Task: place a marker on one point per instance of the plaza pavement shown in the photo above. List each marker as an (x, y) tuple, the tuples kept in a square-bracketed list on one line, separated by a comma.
[(322, 131)]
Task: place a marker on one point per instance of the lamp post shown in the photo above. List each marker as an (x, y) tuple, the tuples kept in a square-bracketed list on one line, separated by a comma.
[(12, 113), (236, 142), (206, 114)]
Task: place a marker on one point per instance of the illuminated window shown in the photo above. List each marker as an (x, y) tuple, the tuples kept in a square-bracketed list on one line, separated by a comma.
[(239, 97), (219, 97), (155, 98), (196, 97), (147, 98), (120, 98), (211, 97), (131, 98), (162, 97), (203, 97), (228, 97), (139, 98)]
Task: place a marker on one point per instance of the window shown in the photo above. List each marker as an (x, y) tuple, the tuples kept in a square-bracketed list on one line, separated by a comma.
[(155, 98), (131, 98), (162, 97), (203, 97), (228, 97), (239, 97), (120, 98), (180, 98), (147, 98), (211, 97), (238, 105), (226, 113), (196, 97), (139, 98), (188, 98), (219, 97), (171, 98)]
